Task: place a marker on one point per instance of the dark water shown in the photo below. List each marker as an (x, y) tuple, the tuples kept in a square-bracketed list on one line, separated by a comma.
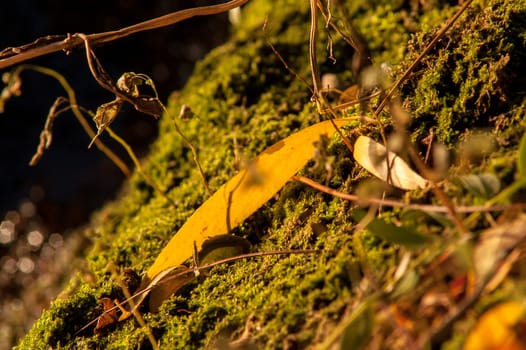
[(40, 204)]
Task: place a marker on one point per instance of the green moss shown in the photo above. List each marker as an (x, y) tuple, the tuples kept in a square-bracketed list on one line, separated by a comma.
[(472, 73), (245, 100)]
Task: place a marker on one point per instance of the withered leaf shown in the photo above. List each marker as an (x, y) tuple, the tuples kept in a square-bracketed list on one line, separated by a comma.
[(130, 82), (134, 86), (495, 243), (108, 318), (105, 115), (170, 282), (147, 104), (373, 157)]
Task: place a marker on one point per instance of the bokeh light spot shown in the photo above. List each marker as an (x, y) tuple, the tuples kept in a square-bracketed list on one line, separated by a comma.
[(35, 238), (26, 265)]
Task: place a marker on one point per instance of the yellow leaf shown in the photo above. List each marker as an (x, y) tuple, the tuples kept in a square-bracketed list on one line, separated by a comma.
[(242, 195), (372, 156), (494, 330)]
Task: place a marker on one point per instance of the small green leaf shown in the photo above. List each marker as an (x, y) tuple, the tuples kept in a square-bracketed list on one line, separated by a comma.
[(406, 284), (222, 247), (484, 185), (359, 330), (521, 159), (391, 233), (396, 234), (417, 217)]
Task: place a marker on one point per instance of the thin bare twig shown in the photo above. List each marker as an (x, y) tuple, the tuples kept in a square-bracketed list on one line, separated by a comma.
[(393, 203), (136, 313), (52, 44), (193, 269), (312, 51)]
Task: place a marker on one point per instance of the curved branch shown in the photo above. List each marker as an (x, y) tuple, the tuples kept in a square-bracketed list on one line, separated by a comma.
[(50, 44)]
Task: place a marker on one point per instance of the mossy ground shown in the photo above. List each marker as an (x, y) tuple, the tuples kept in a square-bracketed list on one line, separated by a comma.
[(244, 100)]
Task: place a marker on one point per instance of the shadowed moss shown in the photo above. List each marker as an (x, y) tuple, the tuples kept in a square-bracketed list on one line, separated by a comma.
[(244, 100)]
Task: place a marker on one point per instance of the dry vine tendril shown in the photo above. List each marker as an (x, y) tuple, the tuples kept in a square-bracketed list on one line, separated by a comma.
[(13, 83), (128, 88)]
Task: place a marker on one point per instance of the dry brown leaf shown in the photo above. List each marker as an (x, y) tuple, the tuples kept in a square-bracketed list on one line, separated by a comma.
[(495, 243)]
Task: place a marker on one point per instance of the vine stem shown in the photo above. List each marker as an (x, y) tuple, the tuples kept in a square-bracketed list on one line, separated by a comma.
[(394, 203), (194, 269), (138, 166), (78, 114), (29, 51)]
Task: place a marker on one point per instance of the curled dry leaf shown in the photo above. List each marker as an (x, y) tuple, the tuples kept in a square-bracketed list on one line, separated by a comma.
[(167, 284), (133, 85), (495, 243), (105, 115), (372, 156), (108, 318)]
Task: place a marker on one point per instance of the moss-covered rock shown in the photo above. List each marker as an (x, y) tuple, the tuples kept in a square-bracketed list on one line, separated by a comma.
[(243, 101)]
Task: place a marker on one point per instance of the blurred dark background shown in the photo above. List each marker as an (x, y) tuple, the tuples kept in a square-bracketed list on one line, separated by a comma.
[(40, 204)]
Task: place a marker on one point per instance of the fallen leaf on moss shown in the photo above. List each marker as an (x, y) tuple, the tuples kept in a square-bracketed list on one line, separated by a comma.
[(239, 198), (372, 156), (171, 280), (169, 283), (222, 247), (108, 318), (495, 329)]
